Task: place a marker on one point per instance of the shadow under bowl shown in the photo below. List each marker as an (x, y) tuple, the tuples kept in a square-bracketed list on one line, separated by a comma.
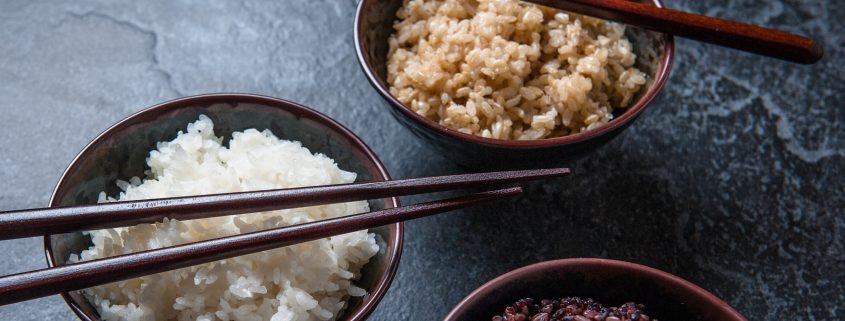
[(120, 153), (612, 283), (373, 26)]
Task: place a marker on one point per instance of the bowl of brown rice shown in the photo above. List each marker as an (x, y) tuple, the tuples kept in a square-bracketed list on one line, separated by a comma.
[(504, 83)]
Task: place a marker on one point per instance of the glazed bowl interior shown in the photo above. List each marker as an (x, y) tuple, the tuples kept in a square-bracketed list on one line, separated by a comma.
[(610, 282), (374, 25), (120, 153)]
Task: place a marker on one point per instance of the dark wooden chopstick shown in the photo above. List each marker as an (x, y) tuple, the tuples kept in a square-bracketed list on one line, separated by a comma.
[(44, 282), (41, 221), (746, 37)]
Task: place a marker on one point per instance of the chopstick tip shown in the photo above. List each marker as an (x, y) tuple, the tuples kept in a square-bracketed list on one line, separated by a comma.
[(557, 171), (816, 53), (508, 192)]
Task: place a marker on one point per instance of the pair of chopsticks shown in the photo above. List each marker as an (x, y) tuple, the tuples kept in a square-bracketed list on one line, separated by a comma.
[(36, 222), (731, 34)]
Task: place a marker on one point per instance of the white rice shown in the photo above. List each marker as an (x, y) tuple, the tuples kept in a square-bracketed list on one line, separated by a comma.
[(309, 281)]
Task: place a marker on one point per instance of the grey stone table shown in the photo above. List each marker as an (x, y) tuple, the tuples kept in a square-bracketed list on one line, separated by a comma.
[(732, 179)]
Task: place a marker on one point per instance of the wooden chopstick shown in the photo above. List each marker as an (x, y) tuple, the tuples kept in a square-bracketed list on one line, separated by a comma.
[(41, 221), (44, 282), (746, 37)]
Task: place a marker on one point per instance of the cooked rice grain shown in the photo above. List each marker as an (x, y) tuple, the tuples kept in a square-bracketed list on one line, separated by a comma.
[(508, 69), (307, 281)]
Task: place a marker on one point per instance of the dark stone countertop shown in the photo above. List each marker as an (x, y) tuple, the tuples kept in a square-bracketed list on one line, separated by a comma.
[(732, 179)]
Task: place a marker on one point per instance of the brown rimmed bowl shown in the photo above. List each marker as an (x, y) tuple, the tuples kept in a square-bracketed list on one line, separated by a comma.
[(120, 152), (610, 282), (374, 25)]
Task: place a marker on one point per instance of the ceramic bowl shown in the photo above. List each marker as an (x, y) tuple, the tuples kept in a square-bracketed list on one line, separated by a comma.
[(374, 24), (120, 152), (610, 282)]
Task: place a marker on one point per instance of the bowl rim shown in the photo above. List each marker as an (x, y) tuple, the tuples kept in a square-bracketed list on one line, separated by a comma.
[(631, 112), (396, 244), (595, 264)]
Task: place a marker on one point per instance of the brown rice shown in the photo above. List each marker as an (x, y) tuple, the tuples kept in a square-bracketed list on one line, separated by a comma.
[(510, 70)]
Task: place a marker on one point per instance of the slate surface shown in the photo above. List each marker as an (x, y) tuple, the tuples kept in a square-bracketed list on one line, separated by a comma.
[(732, 179)]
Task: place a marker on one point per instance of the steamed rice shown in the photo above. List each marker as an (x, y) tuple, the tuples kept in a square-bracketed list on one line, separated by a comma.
[(309, 281), (507, 69)]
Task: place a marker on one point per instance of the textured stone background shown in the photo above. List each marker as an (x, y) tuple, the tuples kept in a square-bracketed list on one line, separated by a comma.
[(732, 179)]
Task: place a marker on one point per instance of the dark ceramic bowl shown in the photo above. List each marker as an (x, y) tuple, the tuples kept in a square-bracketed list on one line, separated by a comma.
[(610, 282), (374, 24), (120, 152)]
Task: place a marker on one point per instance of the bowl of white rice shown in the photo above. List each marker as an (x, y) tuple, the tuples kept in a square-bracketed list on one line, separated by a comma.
[(507, 83), (222, 143)]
